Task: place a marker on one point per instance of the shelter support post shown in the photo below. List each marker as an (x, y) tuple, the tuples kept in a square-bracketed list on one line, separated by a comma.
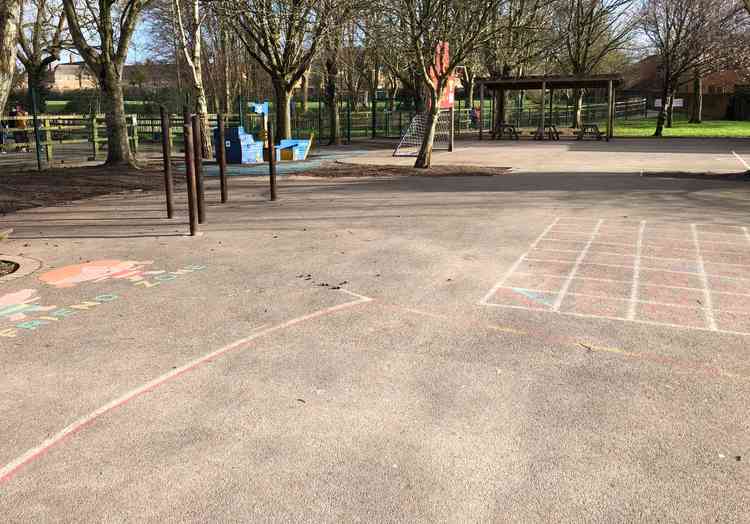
[(541, 125), (610, 110), (481, 110)]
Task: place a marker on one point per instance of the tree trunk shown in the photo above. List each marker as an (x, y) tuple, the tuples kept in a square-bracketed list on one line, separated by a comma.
[(9, 10), (661, 119), (226, 96), (118, 147), (696, 113), (424, 158), (500, 109), (305, 92), (469, 90), (577, 109), (282, 98), (35, 78)]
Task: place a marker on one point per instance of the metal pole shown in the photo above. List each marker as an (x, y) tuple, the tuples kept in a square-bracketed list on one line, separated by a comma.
[(451, 138), (221, 153), (609, 110), (481, 110), (349, 120), (374, 105), (198, 161), (271, 161), (544, 94), (167, 154), (37, 136), (187, 133)]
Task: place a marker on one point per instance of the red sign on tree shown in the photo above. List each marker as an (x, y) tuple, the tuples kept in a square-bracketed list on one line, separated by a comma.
[(439, 68)]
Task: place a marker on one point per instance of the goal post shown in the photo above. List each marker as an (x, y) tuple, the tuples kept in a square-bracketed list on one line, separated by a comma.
[(411, 140)]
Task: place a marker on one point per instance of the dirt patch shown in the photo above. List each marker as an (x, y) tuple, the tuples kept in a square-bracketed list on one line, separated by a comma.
[(22, 190), (6, 268), (742, 177), (340, 170)]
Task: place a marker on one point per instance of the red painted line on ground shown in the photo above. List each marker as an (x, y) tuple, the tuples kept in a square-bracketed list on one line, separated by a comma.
[(8, 471)]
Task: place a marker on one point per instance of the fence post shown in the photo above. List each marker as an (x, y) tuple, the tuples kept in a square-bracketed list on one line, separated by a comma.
[(187, 132), (134, 126), (349, 120), (221, 155), (271, 161), (166, 149), (452, 130), (37, 135), (48, 141), (94, 137)]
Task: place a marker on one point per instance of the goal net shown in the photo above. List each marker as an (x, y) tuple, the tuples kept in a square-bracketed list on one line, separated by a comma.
[(412, 139)]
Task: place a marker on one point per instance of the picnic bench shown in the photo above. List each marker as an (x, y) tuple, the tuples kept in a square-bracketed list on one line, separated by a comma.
[(503, 129), (550, 129), (589, 131)]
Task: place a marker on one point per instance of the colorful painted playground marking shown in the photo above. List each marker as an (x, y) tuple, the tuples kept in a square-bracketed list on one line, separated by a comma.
[(27, 312), (681, 275)]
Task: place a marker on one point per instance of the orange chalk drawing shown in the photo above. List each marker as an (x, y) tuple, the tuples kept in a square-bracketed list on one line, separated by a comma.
[(97, 271)]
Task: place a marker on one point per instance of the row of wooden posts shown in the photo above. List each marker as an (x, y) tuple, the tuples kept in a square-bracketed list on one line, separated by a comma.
[(192, 130)]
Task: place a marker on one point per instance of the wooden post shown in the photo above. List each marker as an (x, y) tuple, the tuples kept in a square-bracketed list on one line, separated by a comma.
[(94, 138), (198, 161), (541, 126), (221, 154), (166, 150), (610, 119), (187, 132), (271, 162), (481, 109)]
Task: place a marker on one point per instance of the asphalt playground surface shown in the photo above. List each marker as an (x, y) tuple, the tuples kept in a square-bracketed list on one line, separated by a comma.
[(567, 346)]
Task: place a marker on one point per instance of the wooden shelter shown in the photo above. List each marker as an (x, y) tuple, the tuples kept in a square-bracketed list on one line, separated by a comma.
[(543, 83)]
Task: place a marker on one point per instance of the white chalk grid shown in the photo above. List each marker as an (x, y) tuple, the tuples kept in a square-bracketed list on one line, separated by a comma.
[(681, 275)]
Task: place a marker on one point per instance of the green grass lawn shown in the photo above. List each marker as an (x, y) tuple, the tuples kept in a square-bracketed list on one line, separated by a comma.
[(709, 128)]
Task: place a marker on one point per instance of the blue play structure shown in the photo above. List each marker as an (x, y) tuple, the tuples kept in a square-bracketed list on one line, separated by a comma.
[(293, 149), (240, 146)]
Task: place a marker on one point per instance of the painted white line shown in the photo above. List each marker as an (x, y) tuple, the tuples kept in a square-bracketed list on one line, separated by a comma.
[(704, 279), (741, 160), (636, 272), (516, 265), (608, 297), (11, 468), (623, 319), (572, 274)]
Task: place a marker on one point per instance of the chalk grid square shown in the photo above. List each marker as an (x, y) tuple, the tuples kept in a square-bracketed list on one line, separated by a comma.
[(672, 274)]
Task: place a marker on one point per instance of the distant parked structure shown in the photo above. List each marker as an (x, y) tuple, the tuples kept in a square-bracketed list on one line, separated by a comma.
[(644, 79), (73, 76)]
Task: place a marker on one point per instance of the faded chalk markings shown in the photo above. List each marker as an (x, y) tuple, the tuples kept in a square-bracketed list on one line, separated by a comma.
[(9, 470)]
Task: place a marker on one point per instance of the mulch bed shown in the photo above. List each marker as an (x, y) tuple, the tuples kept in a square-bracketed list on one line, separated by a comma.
[(6, 268), (22, 190), (340, 170)]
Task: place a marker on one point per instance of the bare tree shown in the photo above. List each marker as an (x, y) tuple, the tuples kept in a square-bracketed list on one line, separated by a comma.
[(690, 36), (589, 31), (102, 31), (9, 26), (283, 37), (191, 40), (40, 40), (421, 26), (523, 37)]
